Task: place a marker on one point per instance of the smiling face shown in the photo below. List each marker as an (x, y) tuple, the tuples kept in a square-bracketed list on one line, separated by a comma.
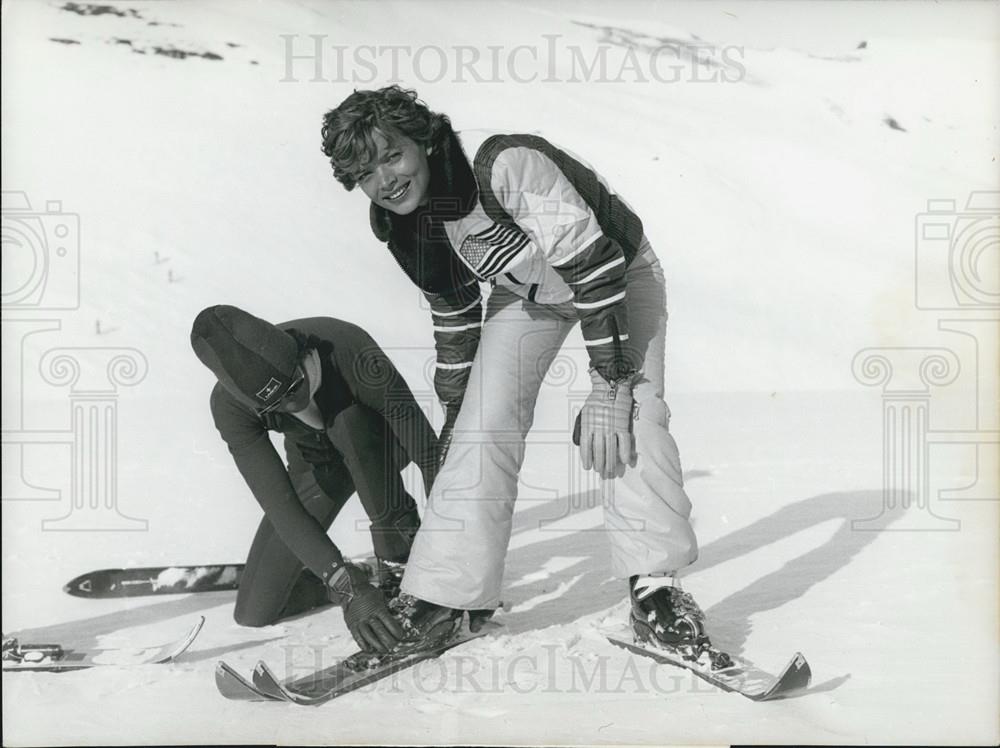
[(399, 176)]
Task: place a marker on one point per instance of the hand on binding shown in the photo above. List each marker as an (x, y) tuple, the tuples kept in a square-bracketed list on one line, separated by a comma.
[(365, 611)]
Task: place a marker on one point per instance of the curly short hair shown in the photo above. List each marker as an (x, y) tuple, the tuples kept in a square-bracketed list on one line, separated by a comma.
[(348, 131)]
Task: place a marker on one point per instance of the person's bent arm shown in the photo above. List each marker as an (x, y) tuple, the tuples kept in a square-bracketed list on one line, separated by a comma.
[(527, 185), (268, 480), (458, 322), (376, 383)]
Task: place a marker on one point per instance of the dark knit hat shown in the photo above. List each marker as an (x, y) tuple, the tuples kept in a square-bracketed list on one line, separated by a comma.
[(254, 360)]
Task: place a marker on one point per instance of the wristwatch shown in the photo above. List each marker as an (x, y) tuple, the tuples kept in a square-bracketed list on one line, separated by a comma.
[(338, 579)]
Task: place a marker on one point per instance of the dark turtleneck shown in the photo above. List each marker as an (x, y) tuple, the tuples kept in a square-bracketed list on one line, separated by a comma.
[(418, 240)]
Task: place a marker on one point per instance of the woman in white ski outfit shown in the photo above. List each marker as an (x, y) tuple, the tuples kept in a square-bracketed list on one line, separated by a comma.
[(558, 247)]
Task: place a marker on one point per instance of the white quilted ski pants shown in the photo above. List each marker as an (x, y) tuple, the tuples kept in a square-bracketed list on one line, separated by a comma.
[(457, 559)]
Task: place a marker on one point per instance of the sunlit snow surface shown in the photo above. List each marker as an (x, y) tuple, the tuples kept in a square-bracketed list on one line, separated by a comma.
[(784, 198)]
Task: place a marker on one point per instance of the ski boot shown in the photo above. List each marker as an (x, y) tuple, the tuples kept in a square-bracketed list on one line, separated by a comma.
[(425, 624), (665, 617)]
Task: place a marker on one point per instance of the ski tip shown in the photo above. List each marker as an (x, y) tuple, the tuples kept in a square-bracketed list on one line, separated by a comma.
[(184, 643), (224, 669), (796, 676), (234, 686), (195, 630), (80, 586), (261, 668), (800, 663)]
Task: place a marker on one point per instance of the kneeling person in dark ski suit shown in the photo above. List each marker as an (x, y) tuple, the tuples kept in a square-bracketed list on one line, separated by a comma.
[(350, 424)]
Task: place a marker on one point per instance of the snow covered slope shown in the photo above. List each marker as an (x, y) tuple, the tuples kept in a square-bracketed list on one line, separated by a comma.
[(780, 181)]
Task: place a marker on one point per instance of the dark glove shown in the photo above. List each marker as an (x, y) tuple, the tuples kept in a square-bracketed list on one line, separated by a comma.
[(365, 611), (444, 441), (604, 427)]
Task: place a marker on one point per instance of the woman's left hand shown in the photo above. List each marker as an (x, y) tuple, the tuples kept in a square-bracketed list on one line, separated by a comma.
[(605, 438)]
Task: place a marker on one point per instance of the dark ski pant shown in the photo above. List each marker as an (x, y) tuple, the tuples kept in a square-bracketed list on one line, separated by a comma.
[(275, 585)]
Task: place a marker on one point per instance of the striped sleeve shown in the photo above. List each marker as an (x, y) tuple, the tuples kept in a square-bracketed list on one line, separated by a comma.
[(546, 205), (458, 320)]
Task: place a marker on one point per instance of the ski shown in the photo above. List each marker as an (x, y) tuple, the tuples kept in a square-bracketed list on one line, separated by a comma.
[(354, 672), (235, 687), (165, 580), (742, 677), (349, 674), (155, 580), (56, 658)]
